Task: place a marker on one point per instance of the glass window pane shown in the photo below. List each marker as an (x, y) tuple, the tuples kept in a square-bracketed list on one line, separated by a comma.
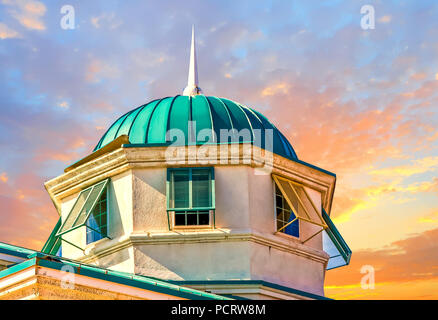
[(180, 219), (279, 201), (179, 189), (285, 215), (97, 220), (204, 218), (97, 189), (75, 210), (201, 188), (294, 228), (192, 219)]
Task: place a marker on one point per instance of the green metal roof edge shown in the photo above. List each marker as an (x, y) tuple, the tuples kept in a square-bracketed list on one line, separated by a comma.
[(15, 250), (119, 277), (138, 281), (48, 246), (337, 238), (257, 282), (18, 267)]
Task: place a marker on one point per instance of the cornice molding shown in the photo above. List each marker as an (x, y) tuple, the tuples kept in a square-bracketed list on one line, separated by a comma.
[(119, 158), (108, 247)]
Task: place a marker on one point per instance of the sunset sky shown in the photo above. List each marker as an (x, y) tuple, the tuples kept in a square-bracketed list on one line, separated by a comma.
[(360, 103)]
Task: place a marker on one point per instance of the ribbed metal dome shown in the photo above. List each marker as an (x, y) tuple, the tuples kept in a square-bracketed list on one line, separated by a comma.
[(149, 123)]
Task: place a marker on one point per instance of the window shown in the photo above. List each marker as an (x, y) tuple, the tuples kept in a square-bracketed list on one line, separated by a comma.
[(190, 197), (90, 210), (295, 209), (97, 221), (285, 215), (334, 245)]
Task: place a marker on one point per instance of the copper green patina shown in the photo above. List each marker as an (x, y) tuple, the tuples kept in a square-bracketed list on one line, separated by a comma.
[(200, 120)]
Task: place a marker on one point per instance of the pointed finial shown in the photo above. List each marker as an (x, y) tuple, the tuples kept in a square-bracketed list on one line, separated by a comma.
[(192, 88)]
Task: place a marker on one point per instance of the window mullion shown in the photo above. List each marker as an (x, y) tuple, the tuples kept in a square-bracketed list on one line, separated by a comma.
[(190, 189)]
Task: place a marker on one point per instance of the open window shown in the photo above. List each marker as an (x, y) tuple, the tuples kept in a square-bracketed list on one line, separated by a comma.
[(335, 245), (190, 197), (287, 221), (97, 222), (292, 197), (297, 210), (89, 210)]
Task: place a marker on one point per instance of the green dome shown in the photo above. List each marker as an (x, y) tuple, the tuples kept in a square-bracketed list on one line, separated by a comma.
[(149, 123)]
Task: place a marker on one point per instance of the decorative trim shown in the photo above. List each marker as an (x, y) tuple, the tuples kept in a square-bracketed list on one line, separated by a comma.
[(116, 160), (223, 287), (109, 247)]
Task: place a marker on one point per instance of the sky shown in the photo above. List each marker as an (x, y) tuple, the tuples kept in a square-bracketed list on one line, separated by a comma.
[(362, 103)]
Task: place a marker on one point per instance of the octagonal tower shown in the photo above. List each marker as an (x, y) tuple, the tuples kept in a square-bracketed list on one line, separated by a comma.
[(203, 192)]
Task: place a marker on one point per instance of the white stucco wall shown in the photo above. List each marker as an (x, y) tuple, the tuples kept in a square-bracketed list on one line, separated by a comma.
[(195, 261), (287, 269), (232, 198), (244, 205), (149, 205)]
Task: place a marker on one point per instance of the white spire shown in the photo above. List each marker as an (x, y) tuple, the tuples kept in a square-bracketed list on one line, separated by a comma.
[(192, 88)]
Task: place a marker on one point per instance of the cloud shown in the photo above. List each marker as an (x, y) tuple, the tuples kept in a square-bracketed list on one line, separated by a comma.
[(106, 19), (98, 70), (282, 88), (27, 213), (424, 186), (63, 104), (415, 167), (4, 177), (7, 33), (399, 267), (431, 218), (28, 12), (385, 19)]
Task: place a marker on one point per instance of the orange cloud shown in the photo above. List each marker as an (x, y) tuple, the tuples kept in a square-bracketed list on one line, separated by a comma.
[(385, 19), (98, 70), (107, 19), (7, 33), (282, 88), (27, 213), (63, 104), (418, 76), (28, 12), (417, 166), (4, 177), (399, 268), (431, 218)]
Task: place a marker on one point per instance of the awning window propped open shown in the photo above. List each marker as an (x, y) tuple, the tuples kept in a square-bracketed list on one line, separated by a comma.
[(302, 205), (306, 211), (334, 245), (79, 214)]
